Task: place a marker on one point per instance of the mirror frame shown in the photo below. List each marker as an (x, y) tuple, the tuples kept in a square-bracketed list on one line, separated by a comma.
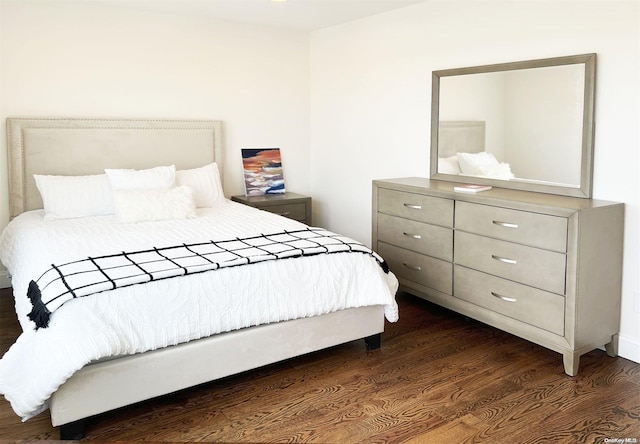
[(585, 189)]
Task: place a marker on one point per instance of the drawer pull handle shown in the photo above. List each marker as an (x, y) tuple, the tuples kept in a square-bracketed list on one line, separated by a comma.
[(413, 207), (286, 213), (504, 298), (505, 224), (504, 259), (412, 267), (411, 235)]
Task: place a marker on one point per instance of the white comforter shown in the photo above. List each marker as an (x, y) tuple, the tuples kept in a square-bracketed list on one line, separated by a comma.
[(162, 313)]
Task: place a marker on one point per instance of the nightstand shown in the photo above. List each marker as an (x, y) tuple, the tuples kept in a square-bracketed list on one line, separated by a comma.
[(291, 205)]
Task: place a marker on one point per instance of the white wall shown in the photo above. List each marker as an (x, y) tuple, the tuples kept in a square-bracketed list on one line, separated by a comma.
[(371, 89), (66, 58), (549, 127)]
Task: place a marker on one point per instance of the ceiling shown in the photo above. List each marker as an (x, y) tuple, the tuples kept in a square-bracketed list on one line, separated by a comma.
[(306, 15)]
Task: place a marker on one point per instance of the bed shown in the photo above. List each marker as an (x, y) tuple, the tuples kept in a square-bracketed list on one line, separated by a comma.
[(460, 136), (138, 341), (462, 151)]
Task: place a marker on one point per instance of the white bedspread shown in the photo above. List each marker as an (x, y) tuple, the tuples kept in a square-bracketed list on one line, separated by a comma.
[(158, 314)]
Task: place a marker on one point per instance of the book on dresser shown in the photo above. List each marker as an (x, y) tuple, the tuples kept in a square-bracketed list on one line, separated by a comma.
[(471, 188), (543, 267)]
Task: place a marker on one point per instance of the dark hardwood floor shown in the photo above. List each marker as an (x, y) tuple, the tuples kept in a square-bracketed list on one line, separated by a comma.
[(437, 379)]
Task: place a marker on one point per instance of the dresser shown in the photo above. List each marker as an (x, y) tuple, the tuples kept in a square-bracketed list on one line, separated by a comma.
[(543, 267), (291, 205)]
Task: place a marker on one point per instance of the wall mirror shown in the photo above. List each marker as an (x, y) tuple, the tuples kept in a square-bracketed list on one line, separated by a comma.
[(523, 125)]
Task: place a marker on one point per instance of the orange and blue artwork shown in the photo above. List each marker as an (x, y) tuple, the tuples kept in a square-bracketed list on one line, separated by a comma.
[(262, 171)]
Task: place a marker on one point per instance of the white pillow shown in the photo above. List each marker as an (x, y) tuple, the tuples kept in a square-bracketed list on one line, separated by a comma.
[(484, 164), (67, 197), (471, 163), (448, 165), (500, 171), (161, 177), (151, 205), (205, 183)]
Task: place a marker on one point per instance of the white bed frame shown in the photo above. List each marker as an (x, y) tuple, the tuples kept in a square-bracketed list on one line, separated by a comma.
[(86, 146)]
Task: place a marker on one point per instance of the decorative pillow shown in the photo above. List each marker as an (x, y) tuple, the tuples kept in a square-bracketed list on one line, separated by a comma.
[(151, 205), (205, 183), (161, 177), (448, 165), (500, 171), (483, 164), (470, 163), (67, 197)]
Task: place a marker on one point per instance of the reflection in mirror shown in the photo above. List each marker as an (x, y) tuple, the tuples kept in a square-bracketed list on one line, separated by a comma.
[(524, 125)]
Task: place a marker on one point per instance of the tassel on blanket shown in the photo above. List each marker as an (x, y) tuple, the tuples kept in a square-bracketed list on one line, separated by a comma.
[(39, 313)]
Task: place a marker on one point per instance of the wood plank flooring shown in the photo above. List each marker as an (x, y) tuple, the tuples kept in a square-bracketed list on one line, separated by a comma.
[(438, 378)]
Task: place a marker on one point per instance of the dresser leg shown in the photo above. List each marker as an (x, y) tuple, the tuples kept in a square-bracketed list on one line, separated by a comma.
[(571, 363), (612, 347)]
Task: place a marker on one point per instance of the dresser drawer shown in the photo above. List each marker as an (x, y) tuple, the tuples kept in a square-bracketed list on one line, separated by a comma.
[(523, 227), (433, 210), (424, 270), (416, 236), (539, 268), (536, 307)]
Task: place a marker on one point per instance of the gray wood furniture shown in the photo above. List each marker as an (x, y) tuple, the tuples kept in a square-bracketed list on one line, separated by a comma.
[(291, 205), (546, 268)]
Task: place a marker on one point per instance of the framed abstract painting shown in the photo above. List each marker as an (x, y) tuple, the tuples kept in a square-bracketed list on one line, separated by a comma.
[(263, 172)]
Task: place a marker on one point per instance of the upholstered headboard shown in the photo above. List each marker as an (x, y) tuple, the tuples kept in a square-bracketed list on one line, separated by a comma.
[(67, 146), (466, 136)]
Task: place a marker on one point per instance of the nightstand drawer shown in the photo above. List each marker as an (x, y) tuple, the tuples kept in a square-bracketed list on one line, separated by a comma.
[(536, 307), (416, 236), (296, 211), (539, 268), (291, 205), (523, 227), (424, 270), (433, 210)]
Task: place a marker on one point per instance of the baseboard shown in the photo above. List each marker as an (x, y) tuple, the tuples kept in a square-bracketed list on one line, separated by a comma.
[(629, 348), (5, 280)]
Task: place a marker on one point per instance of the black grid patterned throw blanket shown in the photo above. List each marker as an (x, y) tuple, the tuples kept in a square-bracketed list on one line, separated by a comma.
[(63, 282)]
